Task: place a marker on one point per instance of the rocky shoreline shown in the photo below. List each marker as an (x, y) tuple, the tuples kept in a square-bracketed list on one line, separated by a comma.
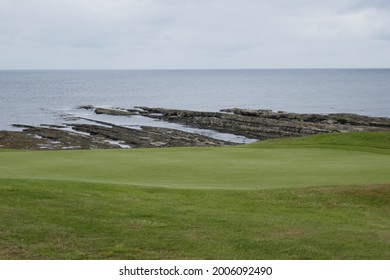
[(255, 124), (266, 124)]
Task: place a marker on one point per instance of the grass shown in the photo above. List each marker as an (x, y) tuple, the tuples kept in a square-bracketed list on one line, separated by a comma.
[(375, 142), (295, 163), (306, 198)]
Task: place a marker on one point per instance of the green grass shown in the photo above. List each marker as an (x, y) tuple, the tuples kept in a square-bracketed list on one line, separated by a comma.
[(321, 197), (369, 142), (293, 163)]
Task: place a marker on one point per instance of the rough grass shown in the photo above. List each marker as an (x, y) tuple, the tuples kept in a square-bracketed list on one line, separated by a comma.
[(307, 198), (58, 220)]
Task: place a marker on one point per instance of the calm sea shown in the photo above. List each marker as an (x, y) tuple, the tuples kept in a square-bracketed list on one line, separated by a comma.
[(37, 97)]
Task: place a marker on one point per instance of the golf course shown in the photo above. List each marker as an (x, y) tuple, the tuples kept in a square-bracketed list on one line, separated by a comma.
[(319, 197)]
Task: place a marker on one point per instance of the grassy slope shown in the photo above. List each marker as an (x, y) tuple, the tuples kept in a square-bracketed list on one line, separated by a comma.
[(51, 205), (377, 142)]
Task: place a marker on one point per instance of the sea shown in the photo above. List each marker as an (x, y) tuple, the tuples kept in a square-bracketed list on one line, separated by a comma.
[(36, 97)]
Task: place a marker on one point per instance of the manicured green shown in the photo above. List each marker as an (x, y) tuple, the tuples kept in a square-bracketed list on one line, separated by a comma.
[(256, 166), (321, 197)]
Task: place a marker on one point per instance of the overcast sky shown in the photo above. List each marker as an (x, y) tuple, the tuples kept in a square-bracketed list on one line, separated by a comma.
[(193, 34)]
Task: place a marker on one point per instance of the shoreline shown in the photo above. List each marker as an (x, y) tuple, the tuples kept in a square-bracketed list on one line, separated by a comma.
[(201, 128)]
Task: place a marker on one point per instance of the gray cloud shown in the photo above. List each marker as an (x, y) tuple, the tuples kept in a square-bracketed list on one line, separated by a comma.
[(193, 33)]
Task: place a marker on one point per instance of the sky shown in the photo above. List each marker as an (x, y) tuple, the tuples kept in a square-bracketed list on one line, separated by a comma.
[(194, 34)]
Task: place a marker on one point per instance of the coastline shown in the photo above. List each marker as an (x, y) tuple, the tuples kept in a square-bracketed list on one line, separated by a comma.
[(195, 128)]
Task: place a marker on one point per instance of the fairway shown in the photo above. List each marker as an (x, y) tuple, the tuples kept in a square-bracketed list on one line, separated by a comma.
[(320, 197)]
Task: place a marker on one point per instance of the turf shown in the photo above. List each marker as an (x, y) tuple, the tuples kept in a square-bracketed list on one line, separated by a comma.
[(272, 164), (321, 197)]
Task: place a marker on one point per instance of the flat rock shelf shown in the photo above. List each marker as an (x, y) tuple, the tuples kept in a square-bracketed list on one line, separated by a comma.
[(253, 124)]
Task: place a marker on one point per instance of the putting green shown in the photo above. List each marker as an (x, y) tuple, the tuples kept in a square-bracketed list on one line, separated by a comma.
[(323, 160)]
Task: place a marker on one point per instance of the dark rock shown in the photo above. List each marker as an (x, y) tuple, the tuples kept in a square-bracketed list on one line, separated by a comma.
[(40, 138), (265, 124), (86, 107), (257, 124), (115, 112), (149, 137)]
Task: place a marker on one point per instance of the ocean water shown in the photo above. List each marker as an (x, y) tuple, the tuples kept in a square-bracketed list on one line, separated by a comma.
[(51, 97)]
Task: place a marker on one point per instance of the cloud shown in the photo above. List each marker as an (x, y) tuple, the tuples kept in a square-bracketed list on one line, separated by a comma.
[(363, 4), (193, 33)]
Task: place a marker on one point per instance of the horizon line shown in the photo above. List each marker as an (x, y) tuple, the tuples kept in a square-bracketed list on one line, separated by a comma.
[(194, 69)]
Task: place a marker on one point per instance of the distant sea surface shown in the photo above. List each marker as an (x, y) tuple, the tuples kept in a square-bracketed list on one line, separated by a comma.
[(50, 97)]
